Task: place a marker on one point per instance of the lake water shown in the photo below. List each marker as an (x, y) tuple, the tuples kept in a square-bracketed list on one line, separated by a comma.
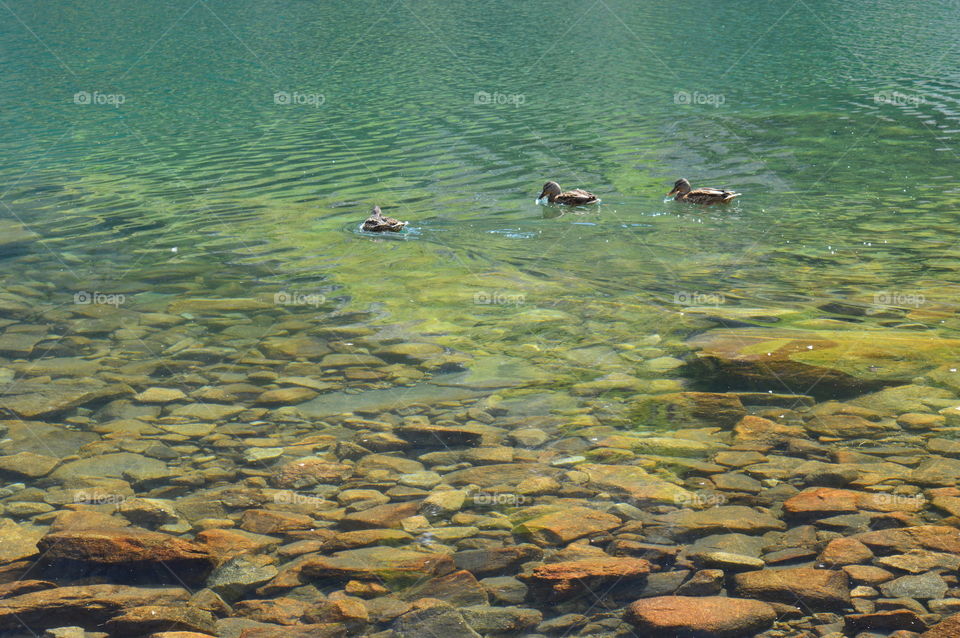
[(183, 184)]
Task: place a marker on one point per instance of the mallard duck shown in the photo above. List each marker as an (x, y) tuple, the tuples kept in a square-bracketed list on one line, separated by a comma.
[(681, 188), (379, 223), (576, 197)]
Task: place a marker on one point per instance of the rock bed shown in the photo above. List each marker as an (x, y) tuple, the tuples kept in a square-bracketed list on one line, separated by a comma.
[(223, 490)]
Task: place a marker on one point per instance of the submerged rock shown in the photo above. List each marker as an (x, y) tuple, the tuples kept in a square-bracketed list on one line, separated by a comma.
[(822, 363), (688, 409), (88, 605), (569, 578), (701, 617)]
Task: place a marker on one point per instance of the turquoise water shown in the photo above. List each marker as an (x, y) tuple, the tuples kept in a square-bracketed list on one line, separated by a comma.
[(164, 155), (838, 128)]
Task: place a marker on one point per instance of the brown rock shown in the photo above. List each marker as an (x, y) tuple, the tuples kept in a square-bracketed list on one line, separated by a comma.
[(18, 541), (949, 628), (232, 542), (9, 590), (848, 426), (755, 429), (279, 611), (310, 471), (936, 538), (286, 396), (845, 551), (160, 395), (274, 522), (388, 515), (572, 577), (817, 589), (722, 519), (27, 465), (868, 574), (86, 605), (569, 524), (369, 563), (501, 474), (137, 621), (827, 501), (700, 617), (128, 546), (365, 538)]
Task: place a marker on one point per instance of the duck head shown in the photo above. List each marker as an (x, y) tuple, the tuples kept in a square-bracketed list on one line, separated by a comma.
[(681, 186), (550, 191)]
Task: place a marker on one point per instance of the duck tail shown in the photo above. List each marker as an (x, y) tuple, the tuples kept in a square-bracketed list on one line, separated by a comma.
[(728, 197)]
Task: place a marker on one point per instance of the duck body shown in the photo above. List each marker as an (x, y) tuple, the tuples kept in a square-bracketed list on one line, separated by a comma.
[(705, 196), (576, 197), (380, 223)]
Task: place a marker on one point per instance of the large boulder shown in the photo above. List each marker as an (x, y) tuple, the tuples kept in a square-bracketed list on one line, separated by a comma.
[(823, 363)]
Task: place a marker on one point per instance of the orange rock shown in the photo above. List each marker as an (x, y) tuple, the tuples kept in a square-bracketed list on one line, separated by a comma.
[(387, 515), (845, 551), (819, 589), (714, 616), (87, 605), (571, 577), (937, 538), (113, 546), (821, 501), (230, 542)]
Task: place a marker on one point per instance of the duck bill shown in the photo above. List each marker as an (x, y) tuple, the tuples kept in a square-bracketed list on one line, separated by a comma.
[(671, 193), (541, 197)]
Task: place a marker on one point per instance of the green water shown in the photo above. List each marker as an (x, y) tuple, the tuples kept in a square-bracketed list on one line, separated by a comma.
[(836, 120)]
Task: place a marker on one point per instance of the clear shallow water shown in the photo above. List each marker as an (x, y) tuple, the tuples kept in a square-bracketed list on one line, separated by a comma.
[(200, 157), (837, 121)]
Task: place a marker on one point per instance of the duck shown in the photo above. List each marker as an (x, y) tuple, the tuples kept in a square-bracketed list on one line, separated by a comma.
[(379, 223), (576, 197), (683, 193)]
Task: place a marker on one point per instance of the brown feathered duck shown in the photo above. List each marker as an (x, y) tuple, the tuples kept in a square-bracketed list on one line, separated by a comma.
[(577, 197), (380, 223), (683, 193)]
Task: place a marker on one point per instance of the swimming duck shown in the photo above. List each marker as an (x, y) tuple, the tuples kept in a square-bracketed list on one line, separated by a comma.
[(681, 188), (576, 197), (378, 223)]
